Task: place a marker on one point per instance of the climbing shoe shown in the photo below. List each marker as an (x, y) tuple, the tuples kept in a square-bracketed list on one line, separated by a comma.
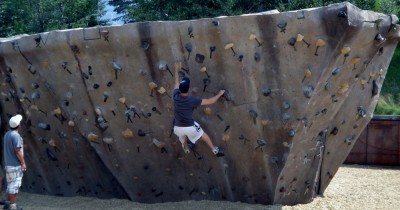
[(6, 205), (218, 152)]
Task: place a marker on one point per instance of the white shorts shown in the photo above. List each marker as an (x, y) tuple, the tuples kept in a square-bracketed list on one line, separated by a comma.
[(193, 133), (14, 178)]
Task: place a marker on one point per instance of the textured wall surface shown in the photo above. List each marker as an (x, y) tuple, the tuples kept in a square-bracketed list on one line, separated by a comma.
[(98, 112)]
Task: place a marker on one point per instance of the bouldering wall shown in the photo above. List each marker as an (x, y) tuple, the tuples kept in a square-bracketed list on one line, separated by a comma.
[(98, 112)]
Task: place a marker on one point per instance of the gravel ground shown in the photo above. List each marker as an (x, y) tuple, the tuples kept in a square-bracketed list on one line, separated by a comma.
[(354, 187)]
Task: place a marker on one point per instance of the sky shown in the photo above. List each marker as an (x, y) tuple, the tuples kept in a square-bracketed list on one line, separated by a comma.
[(110, 14)]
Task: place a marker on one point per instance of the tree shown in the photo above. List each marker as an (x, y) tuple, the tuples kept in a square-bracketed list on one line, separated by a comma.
[(152, 10), (36, 16)]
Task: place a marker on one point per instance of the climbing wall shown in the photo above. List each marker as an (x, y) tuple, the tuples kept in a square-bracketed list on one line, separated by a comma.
[(98, 112)]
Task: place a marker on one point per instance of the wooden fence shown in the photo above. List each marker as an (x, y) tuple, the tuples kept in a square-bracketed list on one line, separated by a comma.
[(379, 143)]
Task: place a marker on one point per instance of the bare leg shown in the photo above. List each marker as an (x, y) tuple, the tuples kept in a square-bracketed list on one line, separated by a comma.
[(13, 198), (185, 144), (207, 139)]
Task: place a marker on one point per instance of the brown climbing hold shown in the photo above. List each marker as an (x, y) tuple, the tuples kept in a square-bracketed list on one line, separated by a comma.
[(34, 107), (319, 43), (307, 74), (264, 123), (207, 111), (152, 86), (354, 61), (226, 137)]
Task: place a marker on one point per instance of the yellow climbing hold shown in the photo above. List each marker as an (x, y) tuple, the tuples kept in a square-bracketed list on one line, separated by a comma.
[(92, 137), (355, 60), (320, 43), (203, 69), (162, 90), (228, 46), (341, 91), (372, 74), (307, 73), (344, 84), (128, 134), (57, 111), (52, 143), (252, 37), (363, 81), (380, 72), (71, 123), (345, 50), (45, 64), (299, 38), (264, 122), (122, 100)]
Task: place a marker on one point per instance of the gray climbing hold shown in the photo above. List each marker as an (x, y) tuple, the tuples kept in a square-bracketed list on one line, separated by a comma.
[(266, 91), (286, 116), (291, 132), (145, 45), (34, 85), (286, 105), (308, 90), (257, 57), (199, 58), (35, 95), (328, 86)]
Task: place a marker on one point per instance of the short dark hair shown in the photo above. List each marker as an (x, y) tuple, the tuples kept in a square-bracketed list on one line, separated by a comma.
[(184, 85)]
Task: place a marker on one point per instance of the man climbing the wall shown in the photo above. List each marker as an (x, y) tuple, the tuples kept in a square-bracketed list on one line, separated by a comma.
[(184, 125), (14, 161)]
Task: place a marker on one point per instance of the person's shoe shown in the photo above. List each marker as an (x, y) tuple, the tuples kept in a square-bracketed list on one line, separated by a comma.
[(6, 205), (14, 207), (218, 152), (187, 151)]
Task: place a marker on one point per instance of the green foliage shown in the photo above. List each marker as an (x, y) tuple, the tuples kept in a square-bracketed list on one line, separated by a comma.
[(387, 6), (145, 10), (389, 101), (387, 105), (391, 84), (35, 16)]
